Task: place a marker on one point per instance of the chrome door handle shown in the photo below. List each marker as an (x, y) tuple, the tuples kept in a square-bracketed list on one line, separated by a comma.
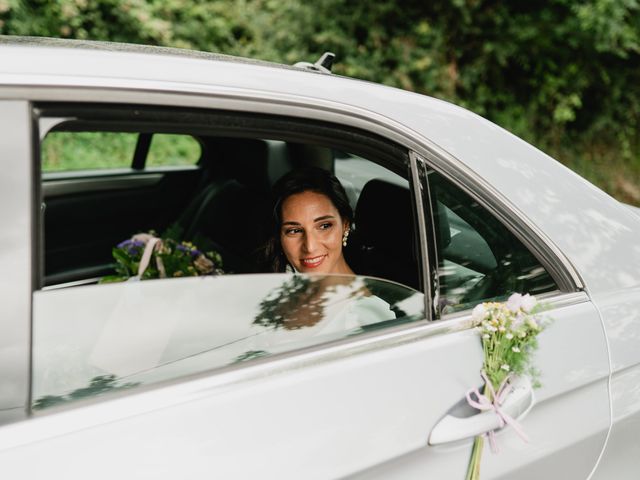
[(517, 404)]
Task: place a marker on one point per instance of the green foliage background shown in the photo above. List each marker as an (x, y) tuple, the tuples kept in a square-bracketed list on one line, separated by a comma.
[(563, 74)]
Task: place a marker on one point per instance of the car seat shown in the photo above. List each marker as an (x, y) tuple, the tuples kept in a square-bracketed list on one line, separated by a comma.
[(383, 242), (232, 210)]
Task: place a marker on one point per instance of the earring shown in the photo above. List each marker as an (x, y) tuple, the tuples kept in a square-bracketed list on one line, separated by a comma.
[(344, 237)]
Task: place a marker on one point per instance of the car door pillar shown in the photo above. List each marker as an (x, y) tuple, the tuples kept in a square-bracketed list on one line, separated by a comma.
[(17, 256)]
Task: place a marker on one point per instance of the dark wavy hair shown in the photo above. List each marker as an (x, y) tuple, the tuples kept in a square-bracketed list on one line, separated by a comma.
[(297, 181)]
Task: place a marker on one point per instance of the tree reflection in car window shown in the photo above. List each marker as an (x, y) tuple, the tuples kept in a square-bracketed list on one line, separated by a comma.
[(300, 302), (95, 339), (97, 386)]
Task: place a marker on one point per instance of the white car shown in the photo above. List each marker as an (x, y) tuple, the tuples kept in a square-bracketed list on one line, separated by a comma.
[(200, 377)]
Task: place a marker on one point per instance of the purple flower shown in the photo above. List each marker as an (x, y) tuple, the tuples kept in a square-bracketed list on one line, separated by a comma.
[(194, 252), (132, 247), (124, 243)]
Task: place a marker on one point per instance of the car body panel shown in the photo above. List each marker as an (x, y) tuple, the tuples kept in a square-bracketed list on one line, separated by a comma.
[(621, 311)]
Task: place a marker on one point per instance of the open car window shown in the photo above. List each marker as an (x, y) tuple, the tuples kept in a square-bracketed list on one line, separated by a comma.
[(222, 206), (94, 339)]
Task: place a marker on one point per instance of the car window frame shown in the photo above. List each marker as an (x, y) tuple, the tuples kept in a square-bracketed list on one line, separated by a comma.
[(539, 245)]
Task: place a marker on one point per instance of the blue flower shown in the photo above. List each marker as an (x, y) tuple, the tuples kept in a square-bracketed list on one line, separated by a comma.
[(125, 243), (132, 247), (191, 250)]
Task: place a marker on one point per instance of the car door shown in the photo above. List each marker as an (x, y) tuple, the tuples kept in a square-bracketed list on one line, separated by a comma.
[(569, 421), (305, 409)]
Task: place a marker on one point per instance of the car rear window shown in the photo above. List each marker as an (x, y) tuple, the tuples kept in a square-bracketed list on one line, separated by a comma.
[(173, 150), (66, 151), (70, 151)]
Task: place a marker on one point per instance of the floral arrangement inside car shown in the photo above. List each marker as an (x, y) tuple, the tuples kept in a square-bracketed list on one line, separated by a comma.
[(146, 256)]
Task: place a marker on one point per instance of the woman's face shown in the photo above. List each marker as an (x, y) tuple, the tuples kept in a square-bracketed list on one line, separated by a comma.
[(311, 234)]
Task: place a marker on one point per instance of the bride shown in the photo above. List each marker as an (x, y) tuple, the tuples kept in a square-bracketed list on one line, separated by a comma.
[(311, 223), (312, 219)]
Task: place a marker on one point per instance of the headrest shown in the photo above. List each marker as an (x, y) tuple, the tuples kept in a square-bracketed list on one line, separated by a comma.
[(443, 230), (383, 218), (243, 159), (305, 155)]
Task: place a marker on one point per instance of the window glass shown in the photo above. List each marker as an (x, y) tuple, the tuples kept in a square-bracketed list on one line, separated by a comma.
[(64, 151), (95, 339), (479, 259), (172, 150)]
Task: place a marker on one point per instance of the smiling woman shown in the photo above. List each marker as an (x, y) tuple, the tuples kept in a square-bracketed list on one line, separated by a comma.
[(311, 223)]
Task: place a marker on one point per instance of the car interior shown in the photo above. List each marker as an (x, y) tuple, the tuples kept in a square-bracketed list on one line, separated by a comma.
[(224, 199)]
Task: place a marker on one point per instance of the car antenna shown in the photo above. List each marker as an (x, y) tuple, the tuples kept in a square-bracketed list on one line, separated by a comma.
[(324, 63)]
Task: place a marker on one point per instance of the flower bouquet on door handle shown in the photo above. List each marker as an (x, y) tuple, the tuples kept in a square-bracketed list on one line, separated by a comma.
[(509, 333)]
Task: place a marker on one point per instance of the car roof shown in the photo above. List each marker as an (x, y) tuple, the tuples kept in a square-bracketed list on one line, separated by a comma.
[(597, 233), (45, 42)]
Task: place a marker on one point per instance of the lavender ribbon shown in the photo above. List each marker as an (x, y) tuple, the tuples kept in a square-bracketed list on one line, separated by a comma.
[(483, 404)]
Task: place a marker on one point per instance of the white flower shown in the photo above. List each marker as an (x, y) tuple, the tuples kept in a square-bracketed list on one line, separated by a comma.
[(528, 303), (504, 367), (509, 336), (518, 320), (514, 303), (515, 349), (486, 336), (478, 312), (532, 323)]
